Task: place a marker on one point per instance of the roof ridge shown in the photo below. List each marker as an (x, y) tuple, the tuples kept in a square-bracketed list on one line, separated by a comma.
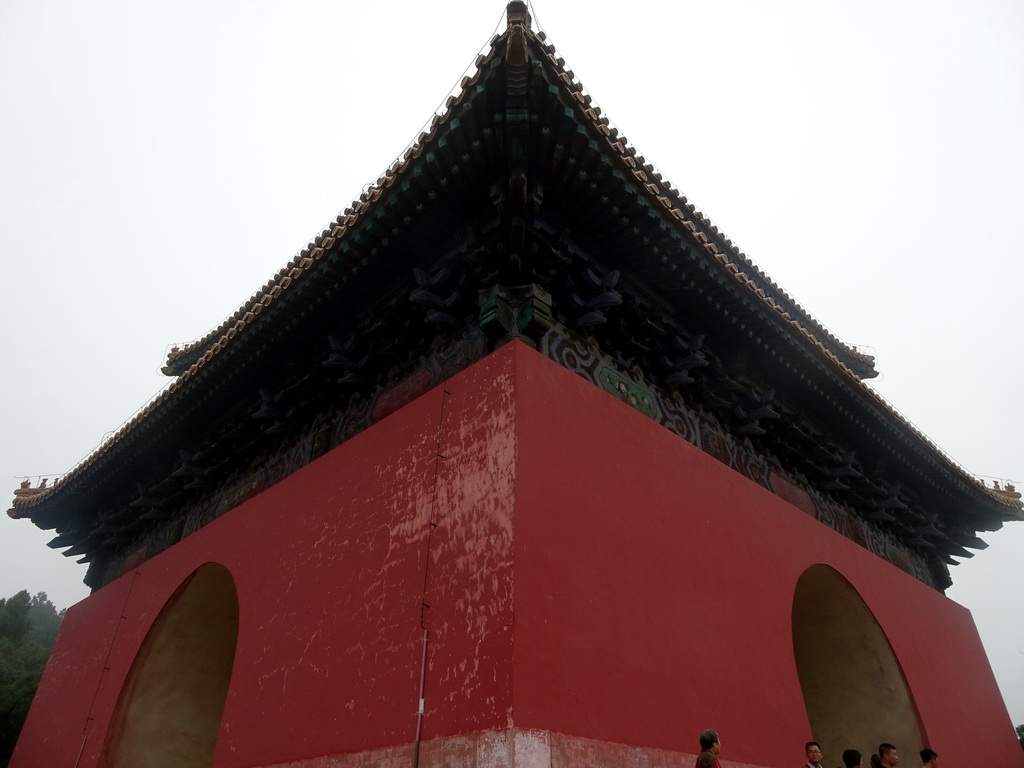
[(299, 265), (412, 150), (657, 189)]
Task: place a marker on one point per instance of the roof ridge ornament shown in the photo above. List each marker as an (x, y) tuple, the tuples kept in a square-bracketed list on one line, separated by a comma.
[(518, 14), (518, 28)]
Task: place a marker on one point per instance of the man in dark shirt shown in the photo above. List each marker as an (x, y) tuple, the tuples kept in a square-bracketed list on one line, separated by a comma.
[(888, 756)]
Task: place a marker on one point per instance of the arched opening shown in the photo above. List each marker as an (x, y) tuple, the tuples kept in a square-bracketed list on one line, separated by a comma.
[(854, 690), (169, 711)]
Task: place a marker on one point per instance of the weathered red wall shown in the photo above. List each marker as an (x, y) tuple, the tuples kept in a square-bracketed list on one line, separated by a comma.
[(654, 595), (330, 568), (589, 573)]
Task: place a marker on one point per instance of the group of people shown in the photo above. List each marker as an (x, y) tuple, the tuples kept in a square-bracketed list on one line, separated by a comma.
[(887, 756)]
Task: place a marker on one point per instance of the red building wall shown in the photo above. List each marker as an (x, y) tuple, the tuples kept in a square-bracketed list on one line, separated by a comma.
[(579, 570), (654, 595)]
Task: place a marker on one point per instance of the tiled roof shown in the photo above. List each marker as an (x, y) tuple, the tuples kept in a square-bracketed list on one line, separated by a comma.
[(660, 191), (843, 361)]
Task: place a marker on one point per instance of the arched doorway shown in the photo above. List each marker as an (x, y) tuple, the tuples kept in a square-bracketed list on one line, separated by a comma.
[(854, 690), (169, 711)]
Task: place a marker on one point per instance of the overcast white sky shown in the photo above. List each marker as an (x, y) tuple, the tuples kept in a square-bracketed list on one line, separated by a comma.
[(160, 161)]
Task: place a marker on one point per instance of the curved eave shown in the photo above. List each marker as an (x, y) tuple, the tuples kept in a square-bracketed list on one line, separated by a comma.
[(242, 328)]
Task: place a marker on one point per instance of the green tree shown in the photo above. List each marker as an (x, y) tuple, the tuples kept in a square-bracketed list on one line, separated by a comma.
[(1020, 735), (45, 620), (28, 628), (14, 621)]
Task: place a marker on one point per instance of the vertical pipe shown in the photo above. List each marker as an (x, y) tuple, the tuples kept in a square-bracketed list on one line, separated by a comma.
[(419, 713)]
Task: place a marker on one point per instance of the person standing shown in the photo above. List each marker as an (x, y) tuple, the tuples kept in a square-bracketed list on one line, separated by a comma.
[(929, 758), (887, 755), (813, 751), (710, 746), (852, 758)]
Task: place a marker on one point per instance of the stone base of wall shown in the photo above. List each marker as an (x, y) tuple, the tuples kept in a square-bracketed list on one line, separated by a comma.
[(513, 748)]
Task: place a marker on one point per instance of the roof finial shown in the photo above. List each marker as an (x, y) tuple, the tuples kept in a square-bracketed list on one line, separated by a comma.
[(518, 14)]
